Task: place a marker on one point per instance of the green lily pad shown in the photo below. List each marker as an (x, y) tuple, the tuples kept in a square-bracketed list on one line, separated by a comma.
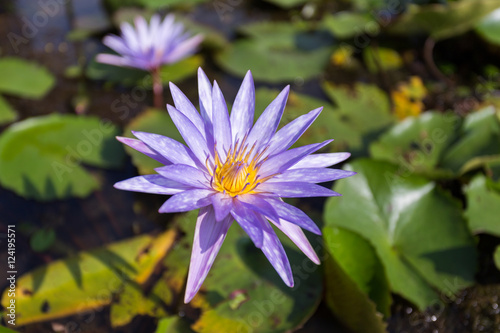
[(277, 52), (88, 280), (173, 325), (478, 144), (496, 257), (40, 158), (489, 27), (417, 143), (443, 21), (381, 58), (362, 113), (349, 24), (418, 231), (7, 113), (42, 239), (288, 3), (151, 121), (352, 272), (242, 291), (483, 205), (24, 79)]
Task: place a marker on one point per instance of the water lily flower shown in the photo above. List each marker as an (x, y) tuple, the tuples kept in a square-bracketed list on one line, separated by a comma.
[(147, 47), (234, 170)]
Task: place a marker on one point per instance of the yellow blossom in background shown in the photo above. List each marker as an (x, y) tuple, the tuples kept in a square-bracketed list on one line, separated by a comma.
[(343, 56), (407, 99)]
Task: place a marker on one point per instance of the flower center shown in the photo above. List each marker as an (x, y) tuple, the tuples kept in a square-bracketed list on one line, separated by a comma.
[(238, 174)]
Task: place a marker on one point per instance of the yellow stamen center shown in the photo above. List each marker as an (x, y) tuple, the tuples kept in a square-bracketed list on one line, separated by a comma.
[(238, 174)]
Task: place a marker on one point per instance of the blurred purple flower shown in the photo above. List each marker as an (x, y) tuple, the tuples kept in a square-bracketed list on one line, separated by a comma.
[(148, 47), (234, 170)]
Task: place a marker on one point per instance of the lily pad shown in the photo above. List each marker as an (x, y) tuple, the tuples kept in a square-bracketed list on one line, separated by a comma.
[(88, 280), (24, 79), (442, 21), (418, 143), (42, 239), (57, 145), (7, 113), (352, 272), (277, 52), (496, 257), (173, 325), (288, 3), (489, 27), (418, 231), (151, 121), (349, 24), (483, 205), (381, 59), (478, 144)]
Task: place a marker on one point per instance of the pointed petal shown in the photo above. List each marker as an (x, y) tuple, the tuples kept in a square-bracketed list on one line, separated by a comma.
[(248, 221), (281, 162), (321, 160), (273, 250), (296, 235), (185, 174), (222, 205), (129, 36), (173, 150), (186, 201), (184, 105), (115, 60), (268, 122), (311, 175), (222, 126), (294, 215), (151, 184), (116, 43), (296, 190), (205, 93), (184, 49), (141, 27), (190, 134), (243, 109), (208, 238), (143, 148), (258, 204), (291, 132)]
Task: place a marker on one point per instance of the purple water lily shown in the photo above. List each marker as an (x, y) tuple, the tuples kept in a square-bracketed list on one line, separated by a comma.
[(147, 47), (233, 170)]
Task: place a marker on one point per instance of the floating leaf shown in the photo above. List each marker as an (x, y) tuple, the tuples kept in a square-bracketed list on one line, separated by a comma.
[(483, 205), (24, 79), (42, 239), (496, 257), (478, 144), (242, 291), (181, 70), (277, 51), (417, 143), (381, 58), (151, 121), (7, 113), (417, 230), (57, 145), (443, 20), (489, 27), (173, 325), (349, 24), (361, 114), (288, 3), (352, 271), (88, 280)]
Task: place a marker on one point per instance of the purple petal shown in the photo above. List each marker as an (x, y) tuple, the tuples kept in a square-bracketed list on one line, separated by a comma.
[(259, 204), (273, 250), (321, 160), (185, 106), (208, 238), (205, 93), (248, 221), (116, 43), (130, 36), (268, 122), (222, 204), (311, 175), (184, 49), (294, 215), (296, 190), (243, 109), (281, 162), (190, 134), (143, 148), (141, 27), (291, 132), (151, 184), (186, 201), (115, 60), (173, 150), (185, 174), (222, 126), (295, 233)]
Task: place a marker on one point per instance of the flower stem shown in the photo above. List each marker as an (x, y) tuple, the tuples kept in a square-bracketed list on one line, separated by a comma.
[(157, 88)]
